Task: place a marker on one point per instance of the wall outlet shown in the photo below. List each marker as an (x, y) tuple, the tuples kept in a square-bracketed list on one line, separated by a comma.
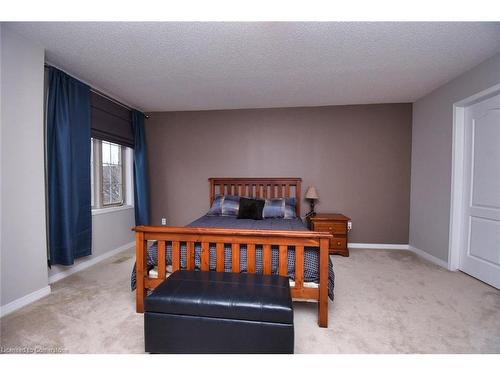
[(349, 225), (163, 221)]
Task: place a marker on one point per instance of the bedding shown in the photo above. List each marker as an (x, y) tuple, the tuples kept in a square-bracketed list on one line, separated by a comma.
[(311, 254)]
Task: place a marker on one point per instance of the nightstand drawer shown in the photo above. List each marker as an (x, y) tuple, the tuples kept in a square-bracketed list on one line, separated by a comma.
[(322, 227), (338, 243), (334, 228)]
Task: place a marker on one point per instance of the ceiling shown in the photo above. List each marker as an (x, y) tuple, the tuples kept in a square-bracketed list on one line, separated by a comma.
[(177, 66)]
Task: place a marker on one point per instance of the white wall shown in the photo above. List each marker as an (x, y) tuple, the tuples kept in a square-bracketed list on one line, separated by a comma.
[(23, 243), (432, 156)]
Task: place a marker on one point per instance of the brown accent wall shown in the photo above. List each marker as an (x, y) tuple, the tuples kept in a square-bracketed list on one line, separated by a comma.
[(357, 156)]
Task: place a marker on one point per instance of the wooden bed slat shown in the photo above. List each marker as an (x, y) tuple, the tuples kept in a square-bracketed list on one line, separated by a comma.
[(305, 293), (205, 256), (323, 286), (162, 266), (267, 259), (176, 256), (140, 270), (220, 257), (298, 192), (283, 261), (152, 283), (190, 255), (251, 258), (235, 258), (299, 266)]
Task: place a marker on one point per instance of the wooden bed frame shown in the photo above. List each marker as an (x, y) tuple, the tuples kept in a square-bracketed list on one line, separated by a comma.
[(258, 187)]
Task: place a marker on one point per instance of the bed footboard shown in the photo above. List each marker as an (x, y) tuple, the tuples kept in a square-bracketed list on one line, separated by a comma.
[(220, 237)]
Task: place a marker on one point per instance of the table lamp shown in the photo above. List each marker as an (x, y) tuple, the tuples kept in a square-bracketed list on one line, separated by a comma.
[(312, 196)]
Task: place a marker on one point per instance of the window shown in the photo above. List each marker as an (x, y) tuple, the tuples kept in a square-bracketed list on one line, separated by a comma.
[(112, 174), (111, 167)]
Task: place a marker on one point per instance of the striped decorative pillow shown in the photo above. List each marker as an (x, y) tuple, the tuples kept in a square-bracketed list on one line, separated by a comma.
[(225, 205), (216, 209), (273, 208), (290, 208), (279, 208), (230, 205)]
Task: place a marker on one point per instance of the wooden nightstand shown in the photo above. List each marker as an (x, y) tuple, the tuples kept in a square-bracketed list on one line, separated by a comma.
[(336, 224)]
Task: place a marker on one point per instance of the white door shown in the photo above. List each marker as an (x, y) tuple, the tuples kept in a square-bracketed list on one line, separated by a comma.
[(480, 255)]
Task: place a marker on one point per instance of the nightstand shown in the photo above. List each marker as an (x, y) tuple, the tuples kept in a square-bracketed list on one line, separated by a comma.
[(336, 224)]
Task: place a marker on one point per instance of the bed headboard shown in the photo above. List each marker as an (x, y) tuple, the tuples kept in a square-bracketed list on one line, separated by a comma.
[(259, 187)]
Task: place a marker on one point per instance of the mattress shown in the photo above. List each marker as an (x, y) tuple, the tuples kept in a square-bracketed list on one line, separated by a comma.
[(232, 222), (153, 273)]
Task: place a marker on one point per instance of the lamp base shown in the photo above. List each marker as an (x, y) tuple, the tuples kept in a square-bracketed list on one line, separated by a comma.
[(311, 212)]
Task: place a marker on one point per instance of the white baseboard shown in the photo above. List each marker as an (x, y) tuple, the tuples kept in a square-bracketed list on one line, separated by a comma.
[(419, 252), (86, 264), (45, 291), (25, 300), (386, 246), (429, 257)]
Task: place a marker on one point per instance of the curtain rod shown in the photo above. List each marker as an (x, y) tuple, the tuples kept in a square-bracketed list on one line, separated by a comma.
[(94, 90)]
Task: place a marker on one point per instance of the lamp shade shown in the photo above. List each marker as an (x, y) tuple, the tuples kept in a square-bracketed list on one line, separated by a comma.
[(311, 193)]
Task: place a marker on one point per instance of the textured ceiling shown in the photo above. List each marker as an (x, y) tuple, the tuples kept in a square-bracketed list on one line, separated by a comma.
[(208, 65)]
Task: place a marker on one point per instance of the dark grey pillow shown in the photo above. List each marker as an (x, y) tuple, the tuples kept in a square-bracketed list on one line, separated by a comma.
[(251, 209)]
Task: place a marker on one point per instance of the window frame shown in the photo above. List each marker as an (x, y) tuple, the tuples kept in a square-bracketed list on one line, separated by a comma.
[(97, 187), (121, 163)]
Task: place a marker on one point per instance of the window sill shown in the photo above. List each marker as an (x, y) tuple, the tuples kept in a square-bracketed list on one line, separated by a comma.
[(108, 210)]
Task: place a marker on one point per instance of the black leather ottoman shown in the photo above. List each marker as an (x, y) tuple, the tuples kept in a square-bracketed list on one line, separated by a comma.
[(218, 312)]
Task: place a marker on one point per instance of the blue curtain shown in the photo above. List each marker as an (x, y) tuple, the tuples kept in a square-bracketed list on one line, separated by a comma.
[(141, 183), (68, 164)]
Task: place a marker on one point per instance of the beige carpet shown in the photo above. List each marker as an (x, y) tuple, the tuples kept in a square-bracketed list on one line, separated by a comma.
[(386, 302)]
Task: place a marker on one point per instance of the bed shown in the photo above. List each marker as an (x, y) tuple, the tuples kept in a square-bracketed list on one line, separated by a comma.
[(227, 244)]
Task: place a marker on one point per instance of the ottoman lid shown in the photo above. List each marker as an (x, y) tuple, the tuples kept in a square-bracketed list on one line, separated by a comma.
[(240, 296)]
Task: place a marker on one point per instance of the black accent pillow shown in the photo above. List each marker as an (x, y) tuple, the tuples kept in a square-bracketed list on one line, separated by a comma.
[(251, 209)]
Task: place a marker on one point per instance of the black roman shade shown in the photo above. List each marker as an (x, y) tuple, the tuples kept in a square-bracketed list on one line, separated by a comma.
[(110, 121)]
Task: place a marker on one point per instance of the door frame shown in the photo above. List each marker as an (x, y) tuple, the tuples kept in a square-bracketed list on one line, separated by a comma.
[(457, 203)]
